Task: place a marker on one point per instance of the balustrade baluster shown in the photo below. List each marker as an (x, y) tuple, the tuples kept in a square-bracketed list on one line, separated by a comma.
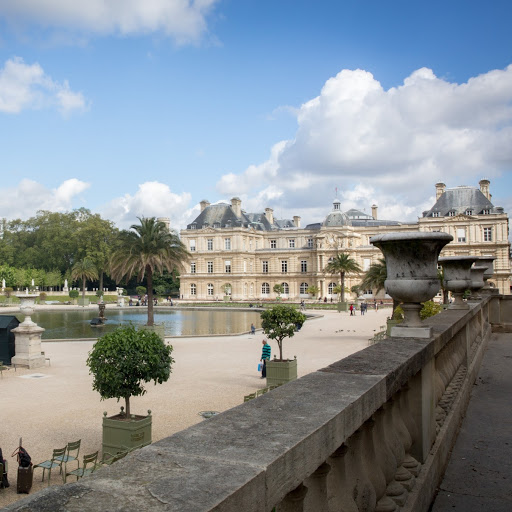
[(340, 483), (294, 500), (316, 498)]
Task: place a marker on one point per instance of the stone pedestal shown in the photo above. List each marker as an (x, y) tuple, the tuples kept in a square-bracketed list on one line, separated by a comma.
[(28, 346), (27, 337)]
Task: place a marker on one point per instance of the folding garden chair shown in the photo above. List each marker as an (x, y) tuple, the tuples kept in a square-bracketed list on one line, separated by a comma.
[(89, 465), (54, 462), (67, 457)]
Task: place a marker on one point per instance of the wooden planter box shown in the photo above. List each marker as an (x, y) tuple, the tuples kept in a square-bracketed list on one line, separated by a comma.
[(120, 434), (83, 302), (342, 306), (158, 328), (280, 372)]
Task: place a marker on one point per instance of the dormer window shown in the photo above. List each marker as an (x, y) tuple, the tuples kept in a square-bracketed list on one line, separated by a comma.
[(435, 214), (486, 212), (216, 224), (451, 213), (193, 226), (469, 212)]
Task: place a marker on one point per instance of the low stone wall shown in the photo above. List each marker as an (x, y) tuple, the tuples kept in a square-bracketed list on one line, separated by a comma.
[(370, 432)]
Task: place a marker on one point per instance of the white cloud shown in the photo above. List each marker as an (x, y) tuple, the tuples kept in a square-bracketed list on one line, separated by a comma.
[(183, 20), (26, 86), (395, 144), (28, 197), (152, 199)]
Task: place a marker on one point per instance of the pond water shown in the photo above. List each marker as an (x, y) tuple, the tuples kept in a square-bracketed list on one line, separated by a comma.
[(178, 322)]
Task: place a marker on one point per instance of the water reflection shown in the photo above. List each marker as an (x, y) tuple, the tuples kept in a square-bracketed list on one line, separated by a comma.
[(76, 324)]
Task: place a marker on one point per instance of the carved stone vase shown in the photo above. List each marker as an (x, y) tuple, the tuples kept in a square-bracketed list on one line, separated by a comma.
[(457, 277), (477, 281), (488, 262), (411, 262)]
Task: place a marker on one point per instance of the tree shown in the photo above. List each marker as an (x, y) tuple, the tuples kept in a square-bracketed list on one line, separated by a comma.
[(279, 322), (123, 360), (146, 248), (84, 270), (313, 290), (342, 264), (375, 277), (278, 290)]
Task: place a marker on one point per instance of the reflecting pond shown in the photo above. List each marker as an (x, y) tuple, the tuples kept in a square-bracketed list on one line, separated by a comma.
[(178, 322)]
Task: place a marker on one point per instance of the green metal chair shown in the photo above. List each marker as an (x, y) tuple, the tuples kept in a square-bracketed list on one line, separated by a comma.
[(67, 457), (54, 462), (89, 465)]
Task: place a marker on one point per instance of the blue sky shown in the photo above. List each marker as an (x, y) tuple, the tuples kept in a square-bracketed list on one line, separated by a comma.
[(150, 108)]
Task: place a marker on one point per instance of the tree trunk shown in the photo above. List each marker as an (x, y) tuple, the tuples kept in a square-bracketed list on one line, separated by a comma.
[(149, 279), (280, 345), (83, 290), (342, 279), (101, 281), (127, 403)]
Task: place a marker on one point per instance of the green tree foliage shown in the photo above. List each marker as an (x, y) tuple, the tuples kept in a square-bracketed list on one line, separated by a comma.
[(73, 294), (147, 248), (342, 264), (279, 322), (123, 360), (141, 290), (430, 308), (313, 290), (278, 289), (85, 270)]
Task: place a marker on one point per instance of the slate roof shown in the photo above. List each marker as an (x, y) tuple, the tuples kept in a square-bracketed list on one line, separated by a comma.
[(458, 201), (221, 215)]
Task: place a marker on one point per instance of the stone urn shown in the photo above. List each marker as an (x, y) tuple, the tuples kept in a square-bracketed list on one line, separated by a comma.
[(477, 281), (411, 262), (457, 278), (488, 262)]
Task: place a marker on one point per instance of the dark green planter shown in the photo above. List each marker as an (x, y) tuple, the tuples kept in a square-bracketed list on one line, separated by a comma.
[(121, 435), (342, 306), (83, 302), (159, 329), (281, 372)]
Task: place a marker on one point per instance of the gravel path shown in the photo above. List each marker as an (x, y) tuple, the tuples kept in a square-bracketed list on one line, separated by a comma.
[(210, 373)]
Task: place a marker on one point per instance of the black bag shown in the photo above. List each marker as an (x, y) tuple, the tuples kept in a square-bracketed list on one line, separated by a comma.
[(4, 483), (24, 459)]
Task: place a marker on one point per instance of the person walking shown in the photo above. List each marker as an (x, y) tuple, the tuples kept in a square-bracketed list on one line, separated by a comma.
[(265, 356), (253, 329)]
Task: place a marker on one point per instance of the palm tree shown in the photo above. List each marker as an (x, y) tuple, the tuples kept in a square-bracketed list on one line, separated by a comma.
[(147, 248), (342, 264), (84, 269)]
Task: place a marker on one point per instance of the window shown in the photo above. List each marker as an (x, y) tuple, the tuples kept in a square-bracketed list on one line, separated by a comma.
[(451, 214), (256, 244), (366, 263), (216, 225), (209, 244), (192, 245), (487, 234), (273, 244), (310, 243), (245, 266), (486, 212), (461, 235), (265, 289), (193, 226), (193, 267), (291, 243), (303, 266), (469, 212), (227, 266), (210, 267), (331, 287), (286, 288), (368, 292), (304, 288), (193, 289), (435, 214), (209, 289), (284, 266), (264, 267), (227, 244)]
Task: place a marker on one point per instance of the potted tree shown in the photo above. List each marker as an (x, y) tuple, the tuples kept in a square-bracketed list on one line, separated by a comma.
[(121, 362), (342, 264), (280, 322), (278, 290), (73, 295)]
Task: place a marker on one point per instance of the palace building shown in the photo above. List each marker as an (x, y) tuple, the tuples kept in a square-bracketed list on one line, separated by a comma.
[(244, 255)]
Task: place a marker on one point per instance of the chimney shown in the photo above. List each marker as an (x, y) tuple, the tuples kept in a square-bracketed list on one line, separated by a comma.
[(204, 203), (269, 214), (440, 188), (296, 221), (166, 221), (374, 211), (484, 188), (236, 206)]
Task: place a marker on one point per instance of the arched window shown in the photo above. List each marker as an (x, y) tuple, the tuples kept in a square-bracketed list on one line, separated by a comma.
[(304, 288), (286, 288), (209, 288), (331, 288), (265, 289), (193, 289)]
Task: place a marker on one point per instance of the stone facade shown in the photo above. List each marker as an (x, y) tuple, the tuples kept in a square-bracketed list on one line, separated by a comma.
[(244, 255)]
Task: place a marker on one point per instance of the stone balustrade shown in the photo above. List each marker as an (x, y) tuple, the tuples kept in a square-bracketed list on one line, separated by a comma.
[(371, 432)]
